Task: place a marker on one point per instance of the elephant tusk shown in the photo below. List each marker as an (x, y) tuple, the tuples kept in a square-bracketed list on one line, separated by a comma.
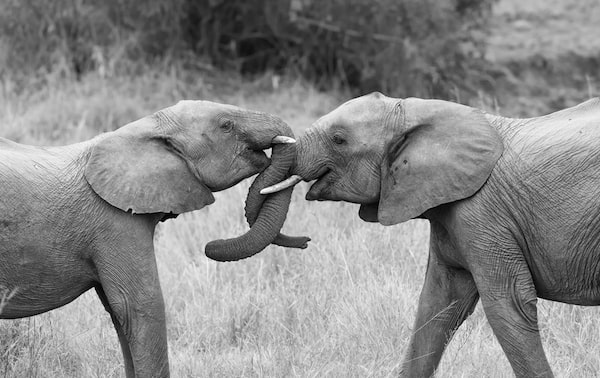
[(280, 139), (290, 181)]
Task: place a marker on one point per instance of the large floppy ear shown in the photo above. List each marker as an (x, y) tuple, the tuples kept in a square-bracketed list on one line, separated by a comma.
[(134, 168), (442, 152)]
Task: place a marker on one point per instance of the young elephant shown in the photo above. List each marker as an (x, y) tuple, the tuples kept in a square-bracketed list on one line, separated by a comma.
[(83, 216), (513, 205)]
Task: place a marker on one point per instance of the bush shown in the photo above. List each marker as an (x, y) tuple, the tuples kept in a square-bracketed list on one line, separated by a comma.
[(408, 47), (38, 37), (402, 47)]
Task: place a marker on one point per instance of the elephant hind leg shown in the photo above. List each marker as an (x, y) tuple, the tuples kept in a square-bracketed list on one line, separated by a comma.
[(129, 371), (509, 300)]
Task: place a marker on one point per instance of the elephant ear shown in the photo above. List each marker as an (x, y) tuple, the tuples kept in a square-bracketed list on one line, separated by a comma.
[(136, 169), (443, 153)]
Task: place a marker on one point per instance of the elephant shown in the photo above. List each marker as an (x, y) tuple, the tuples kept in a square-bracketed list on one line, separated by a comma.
[(513, 207), (83, 216)]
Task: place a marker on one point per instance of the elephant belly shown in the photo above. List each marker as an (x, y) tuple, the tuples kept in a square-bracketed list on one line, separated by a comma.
[(36, 281), (560, 234), (574, 279), (38, 298)]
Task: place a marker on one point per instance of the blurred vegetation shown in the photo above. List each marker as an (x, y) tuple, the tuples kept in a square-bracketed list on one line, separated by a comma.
[(407, 47), (495, 54), (73, 37)]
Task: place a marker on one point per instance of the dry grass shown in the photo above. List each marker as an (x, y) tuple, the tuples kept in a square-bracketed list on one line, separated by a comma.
[(548, 28), (342, 308)]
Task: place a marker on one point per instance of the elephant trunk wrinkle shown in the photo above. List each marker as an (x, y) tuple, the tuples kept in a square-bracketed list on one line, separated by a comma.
[(283, 158), (301, 166), (263, 139)]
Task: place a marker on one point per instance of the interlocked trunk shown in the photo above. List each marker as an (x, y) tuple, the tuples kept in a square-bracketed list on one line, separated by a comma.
[(265, 213)]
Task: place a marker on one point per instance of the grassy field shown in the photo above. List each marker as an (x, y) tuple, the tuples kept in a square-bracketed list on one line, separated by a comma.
[(342, 308), (546, 28)]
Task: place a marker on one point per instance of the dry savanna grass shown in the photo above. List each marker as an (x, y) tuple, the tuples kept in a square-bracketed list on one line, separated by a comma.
[(344, 307), (546, 28)]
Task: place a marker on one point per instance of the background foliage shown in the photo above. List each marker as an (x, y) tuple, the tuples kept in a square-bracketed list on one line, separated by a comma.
[(417, 47)]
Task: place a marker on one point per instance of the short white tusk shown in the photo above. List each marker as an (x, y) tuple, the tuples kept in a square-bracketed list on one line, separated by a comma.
[(280, 139), (290, 181)]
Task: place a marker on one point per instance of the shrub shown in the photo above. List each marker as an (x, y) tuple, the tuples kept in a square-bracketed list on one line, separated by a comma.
[(76, 36), (403, 47), (407, 47)]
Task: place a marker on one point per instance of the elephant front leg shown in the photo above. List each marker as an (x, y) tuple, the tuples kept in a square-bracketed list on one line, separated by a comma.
[(128, 361), (131, 294), (448, 297), (509, 300)]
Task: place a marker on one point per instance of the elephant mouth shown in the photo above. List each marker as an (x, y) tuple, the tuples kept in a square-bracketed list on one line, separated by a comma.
[(257, 159), (318, 190)]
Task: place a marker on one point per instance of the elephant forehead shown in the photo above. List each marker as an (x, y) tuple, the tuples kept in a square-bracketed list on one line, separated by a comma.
[(362, 113), (198, 109), (201, 105)]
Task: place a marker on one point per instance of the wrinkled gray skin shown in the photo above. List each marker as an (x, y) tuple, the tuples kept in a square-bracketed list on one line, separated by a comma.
[(513, 204), (265, 214), (65, 226)]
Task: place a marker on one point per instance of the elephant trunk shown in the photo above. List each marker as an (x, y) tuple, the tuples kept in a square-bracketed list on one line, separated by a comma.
[(310, 157), (307, 166), (278, 170), (265, 214)]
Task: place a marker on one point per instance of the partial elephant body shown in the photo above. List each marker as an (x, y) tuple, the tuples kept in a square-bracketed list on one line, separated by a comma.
[(46, 188), (83, 216), (513, 204), (58, 239), (546, 190)]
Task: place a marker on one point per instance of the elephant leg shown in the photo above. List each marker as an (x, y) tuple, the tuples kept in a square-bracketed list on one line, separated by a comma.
[(132, 291), (448, 297), (509, 300), (128, 361)]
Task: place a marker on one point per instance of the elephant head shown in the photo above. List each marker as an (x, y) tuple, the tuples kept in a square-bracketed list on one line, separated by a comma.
[(398, 158), (171, 161)]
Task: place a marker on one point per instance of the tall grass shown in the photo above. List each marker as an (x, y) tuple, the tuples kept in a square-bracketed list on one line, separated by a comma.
[(344, 307)]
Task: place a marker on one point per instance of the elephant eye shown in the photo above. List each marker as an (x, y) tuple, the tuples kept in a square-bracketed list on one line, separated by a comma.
[(227, 126), (338, 139)]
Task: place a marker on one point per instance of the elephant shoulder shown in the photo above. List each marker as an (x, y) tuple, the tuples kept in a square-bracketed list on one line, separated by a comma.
[(586, 112), (590, 106), (12, 147), (30, 160), (7, 144), (14, 153)]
